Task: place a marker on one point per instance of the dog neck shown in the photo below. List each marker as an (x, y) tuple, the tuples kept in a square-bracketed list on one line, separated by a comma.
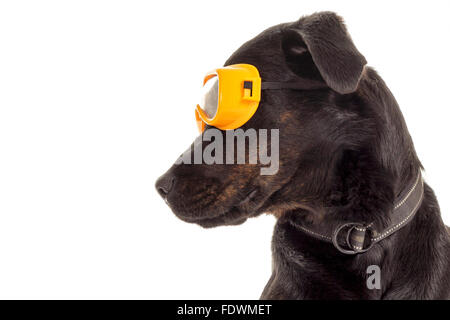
[(356, 237), (305, 267)]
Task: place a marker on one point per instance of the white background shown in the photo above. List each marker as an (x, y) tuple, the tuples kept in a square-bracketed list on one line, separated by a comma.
[(96, 101)]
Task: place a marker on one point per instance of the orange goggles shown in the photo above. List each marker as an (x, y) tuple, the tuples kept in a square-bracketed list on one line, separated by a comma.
[(231, 95)]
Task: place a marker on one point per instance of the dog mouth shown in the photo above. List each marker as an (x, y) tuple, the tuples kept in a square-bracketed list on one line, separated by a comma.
[(233, 215), (250, 196)]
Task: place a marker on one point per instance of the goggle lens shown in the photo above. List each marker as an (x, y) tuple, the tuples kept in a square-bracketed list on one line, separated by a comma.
[(210, 97)]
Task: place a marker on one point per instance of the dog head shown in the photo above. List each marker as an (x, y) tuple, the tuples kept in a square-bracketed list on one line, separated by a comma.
[(318, 129)]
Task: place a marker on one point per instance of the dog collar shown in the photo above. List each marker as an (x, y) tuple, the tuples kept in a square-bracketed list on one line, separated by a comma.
[(354, 237)]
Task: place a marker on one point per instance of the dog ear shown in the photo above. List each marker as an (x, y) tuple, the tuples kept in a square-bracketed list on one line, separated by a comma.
[(323, 38)]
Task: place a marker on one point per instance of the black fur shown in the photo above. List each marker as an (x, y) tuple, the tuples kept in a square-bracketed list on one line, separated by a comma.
[(345, 155)]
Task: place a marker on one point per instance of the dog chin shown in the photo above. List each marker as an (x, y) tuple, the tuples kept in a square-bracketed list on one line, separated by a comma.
[(228, 218)]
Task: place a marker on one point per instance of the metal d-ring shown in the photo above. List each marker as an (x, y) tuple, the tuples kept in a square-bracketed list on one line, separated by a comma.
[(352, 226)]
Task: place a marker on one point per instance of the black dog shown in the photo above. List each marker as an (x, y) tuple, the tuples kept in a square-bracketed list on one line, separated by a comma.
[(345, 157)]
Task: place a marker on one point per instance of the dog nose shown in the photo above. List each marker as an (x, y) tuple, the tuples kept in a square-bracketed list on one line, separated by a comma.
[(164, 184)]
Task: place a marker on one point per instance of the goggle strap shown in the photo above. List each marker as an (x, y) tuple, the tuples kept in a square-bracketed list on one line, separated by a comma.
[(298, 85)]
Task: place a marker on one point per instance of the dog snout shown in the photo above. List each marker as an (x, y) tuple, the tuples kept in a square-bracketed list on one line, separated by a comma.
[(164, 184)]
